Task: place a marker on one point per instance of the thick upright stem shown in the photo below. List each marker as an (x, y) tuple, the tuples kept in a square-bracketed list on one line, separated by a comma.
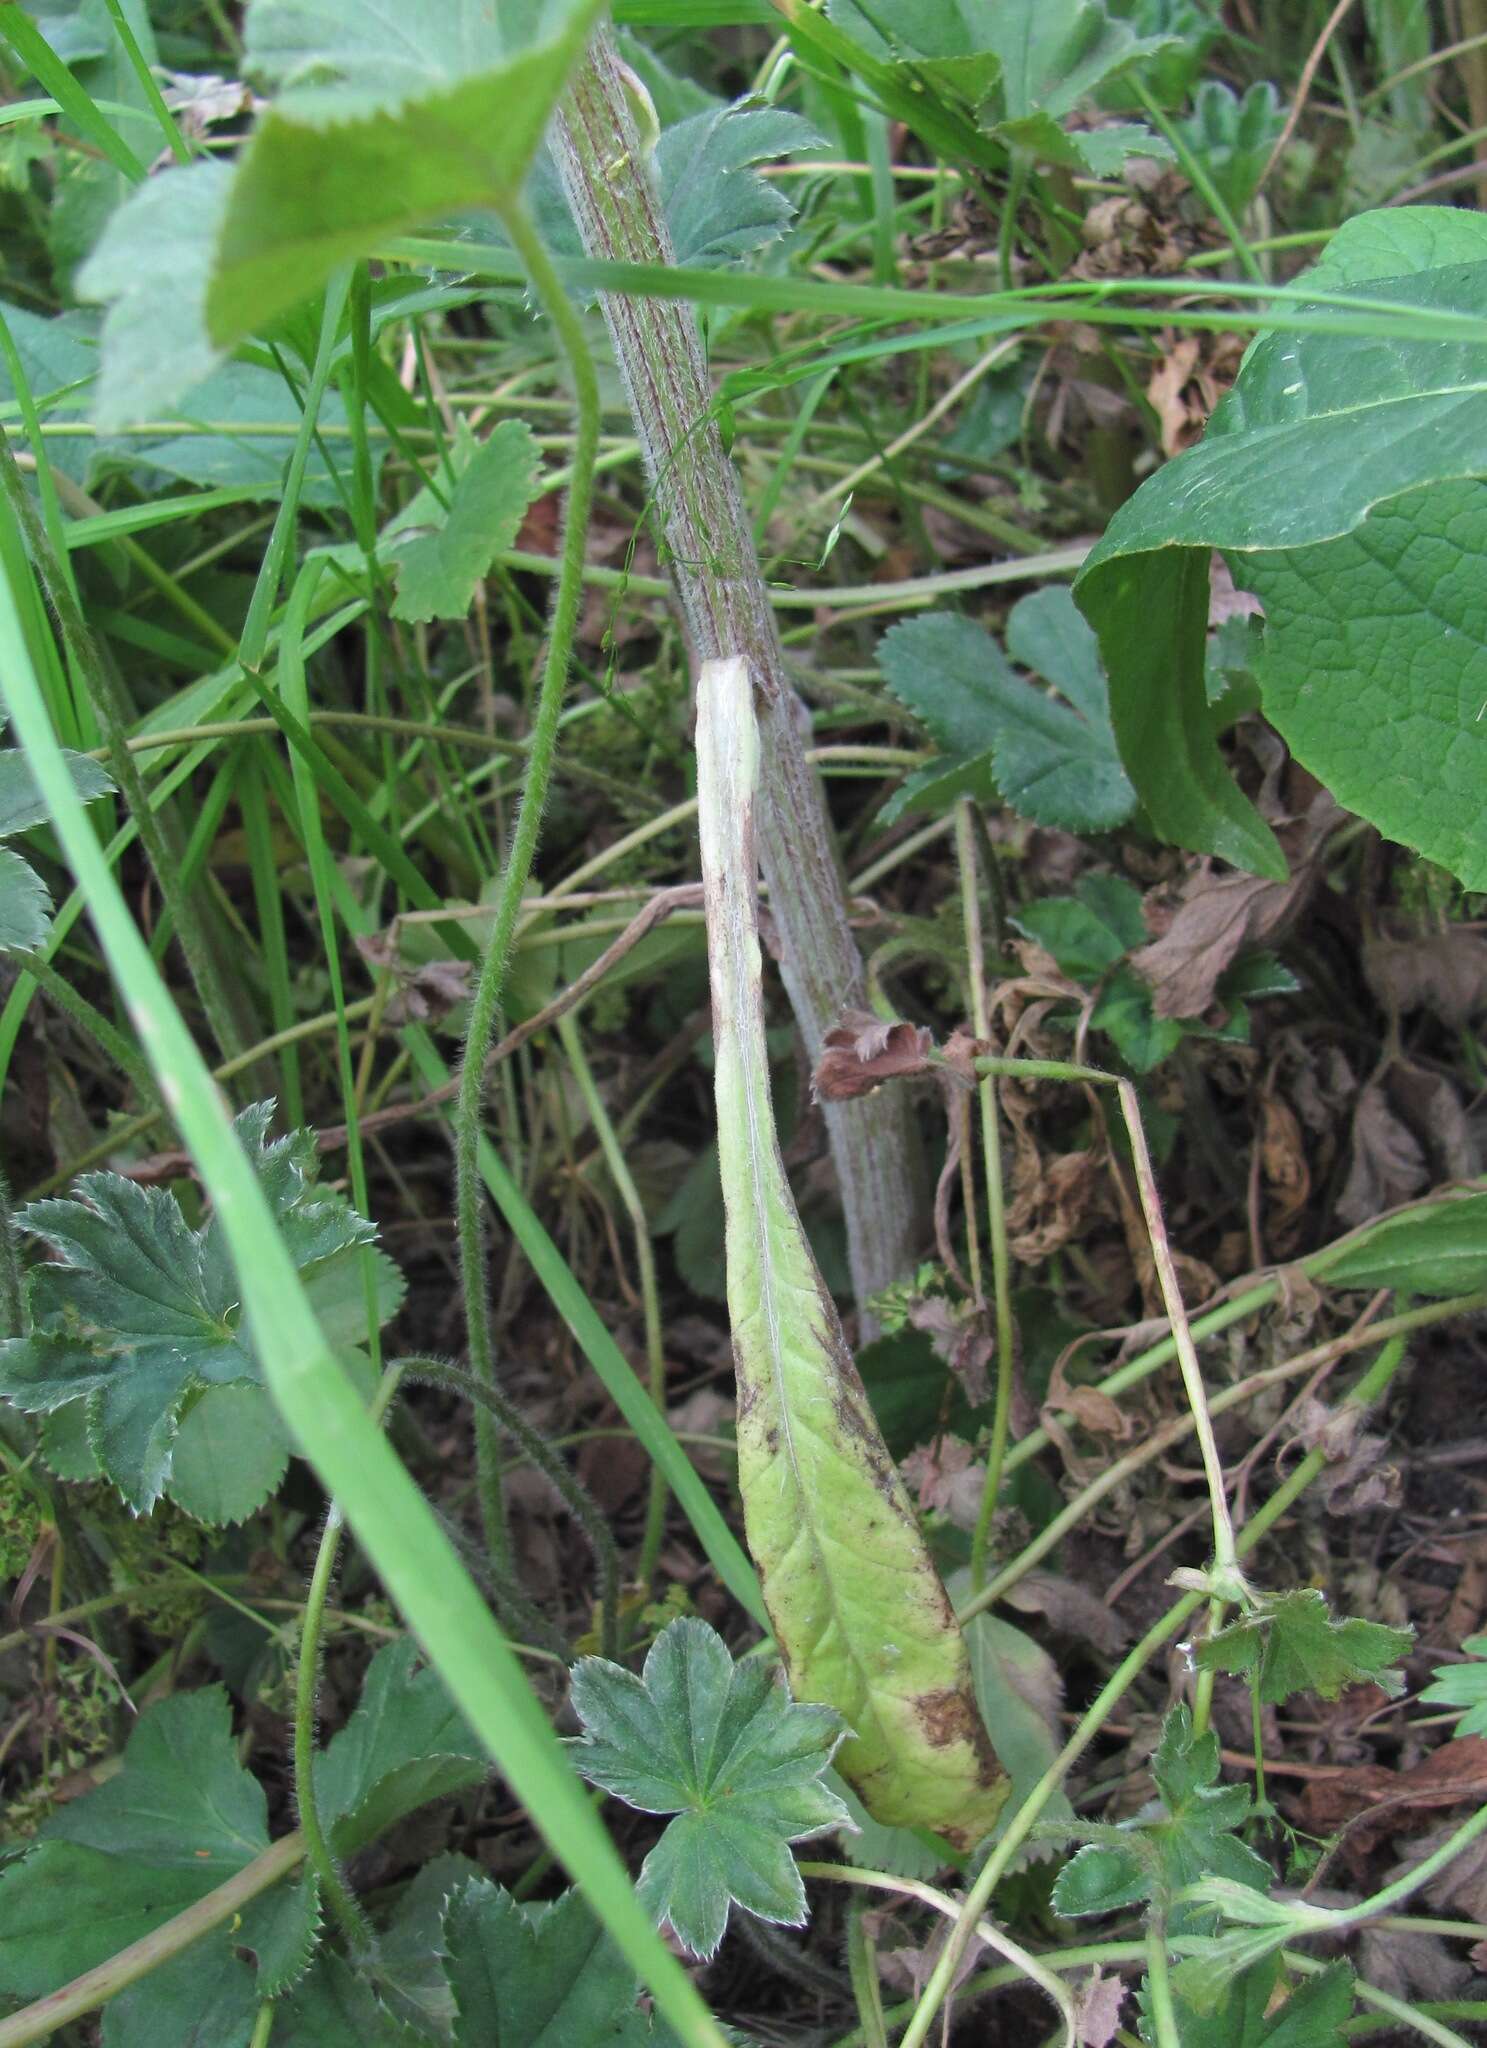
[(710, 551)]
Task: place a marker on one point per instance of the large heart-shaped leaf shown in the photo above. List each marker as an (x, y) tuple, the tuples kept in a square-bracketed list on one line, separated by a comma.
[(1342, 478)]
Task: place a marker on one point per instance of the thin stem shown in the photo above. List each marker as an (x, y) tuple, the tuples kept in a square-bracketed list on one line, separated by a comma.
[(645, 1259), (111, 1042), (12, 1289), (334, 1889), (996, 1212), (1159, 1985), (486, 1003), (580, 1503)]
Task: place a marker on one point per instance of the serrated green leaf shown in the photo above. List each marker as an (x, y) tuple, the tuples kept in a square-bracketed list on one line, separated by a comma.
[(1312, 2015), (1232, 137), (336, 2008), (25, 904), (1342, 479), (438, 572), (1052, 762), (717, 206), (532, 1976), (140, 1311), (389, 115), (405, 1744), (1192, 1837), (21, 802), (1126, 1015), (858, 1610), (228, 1456), (181, 1817), (723, 1747), (65, 1445), (1292, 1644), (1440, 1250), (1463, 1685)]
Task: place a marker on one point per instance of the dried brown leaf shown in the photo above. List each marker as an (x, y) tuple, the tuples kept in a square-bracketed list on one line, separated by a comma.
[(863, 1051), (1070, 1608), (1097, 2010), (1445, 973), (1388, 1164)]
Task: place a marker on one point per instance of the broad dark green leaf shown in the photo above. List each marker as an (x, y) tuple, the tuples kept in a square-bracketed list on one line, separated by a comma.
[(140, 1312), (25, 904), (405, 1744), (1089, 932), (544, 1976), (722, 1746), (1291, 1643), (181, 1817), (1342, 479), (21, 802), (1439, 1251)]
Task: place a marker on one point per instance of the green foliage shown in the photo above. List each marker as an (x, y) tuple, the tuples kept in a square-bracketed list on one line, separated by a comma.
[(25, 903), (1290, 1643), (1019, 68), (1156, 1857), (493, 485), (722, 1746), (140, 1322), (1312, 2015), (1233, 137), (1091, 933), (1438, 1251), (1053, 761), (405, 1744), (1463, 1685), (180, 1818), (537, 1976), (1341, 479)]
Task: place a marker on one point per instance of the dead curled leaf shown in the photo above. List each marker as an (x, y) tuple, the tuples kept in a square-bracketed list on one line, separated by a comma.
[(1355, 1476), (1216, 915), (1388, 1162), (1453, 1775), (421, 994), (863, 1051), (1071, 1609), (959, 1334), (1097, 2010), (946, 1481)]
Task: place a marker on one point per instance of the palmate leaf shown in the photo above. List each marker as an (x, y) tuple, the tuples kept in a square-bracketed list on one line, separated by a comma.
[(858, 1610), (535, 1976), (1291, 1643), (723, 1747), (180, 1818), (1345, 480), (1055, 762), (1193, 1836), (140, 1316)]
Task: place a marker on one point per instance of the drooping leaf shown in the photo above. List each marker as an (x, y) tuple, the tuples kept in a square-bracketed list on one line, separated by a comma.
[(723, 1747), (1292, 1644), (1054, 762), (405, 1744), (858, 1610), (387, 115), (1463, 1685), (140, 1312), (543, 1976), (180, 1818), (438, 571), (1192, 1837), (1342, 479)]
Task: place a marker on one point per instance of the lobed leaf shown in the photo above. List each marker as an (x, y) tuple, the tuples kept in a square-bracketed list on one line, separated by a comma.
[(723, 1747), (1291, 1643), (494, 484), (1463, 1685), (405, 1744)]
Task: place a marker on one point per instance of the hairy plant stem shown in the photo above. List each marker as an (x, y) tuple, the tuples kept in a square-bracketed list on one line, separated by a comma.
[(486, 1003), (536, 1449), (1022, 1822), (112, 1043), (996, 1207), (710, 550), (12, 1289), (113, 721)]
